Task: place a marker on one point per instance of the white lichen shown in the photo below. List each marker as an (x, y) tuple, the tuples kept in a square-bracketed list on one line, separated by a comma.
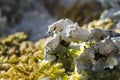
[(58, 26), (64, 30)]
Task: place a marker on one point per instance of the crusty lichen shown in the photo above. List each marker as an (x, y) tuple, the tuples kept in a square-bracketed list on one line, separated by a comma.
[(65, 31), (61, 48), (100, 61)]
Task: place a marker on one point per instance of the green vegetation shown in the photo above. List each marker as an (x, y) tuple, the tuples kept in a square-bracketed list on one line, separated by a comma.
[(23, 59)]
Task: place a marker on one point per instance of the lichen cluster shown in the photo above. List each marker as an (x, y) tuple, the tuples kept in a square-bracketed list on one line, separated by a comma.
[(66, 45), (101, 59)]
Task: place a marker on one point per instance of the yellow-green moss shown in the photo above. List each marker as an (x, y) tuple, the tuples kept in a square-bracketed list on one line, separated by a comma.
[(104, 24)]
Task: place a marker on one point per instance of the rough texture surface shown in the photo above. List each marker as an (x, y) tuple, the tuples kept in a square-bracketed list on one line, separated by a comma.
[(68, 31), (100, 61)]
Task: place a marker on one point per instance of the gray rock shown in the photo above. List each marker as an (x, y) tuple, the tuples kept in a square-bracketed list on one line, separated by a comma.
[(100, 61)]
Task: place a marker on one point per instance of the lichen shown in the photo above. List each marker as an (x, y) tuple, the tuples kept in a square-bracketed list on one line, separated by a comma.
[(65, 31), (69, 42), (101, 61)]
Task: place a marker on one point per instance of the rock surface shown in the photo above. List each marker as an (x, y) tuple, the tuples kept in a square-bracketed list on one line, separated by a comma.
[(100, 61)]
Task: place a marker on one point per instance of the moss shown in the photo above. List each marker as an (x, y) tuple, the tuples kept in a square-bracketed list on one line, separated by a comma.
[(104, 24), (22, 59), (34, 71)]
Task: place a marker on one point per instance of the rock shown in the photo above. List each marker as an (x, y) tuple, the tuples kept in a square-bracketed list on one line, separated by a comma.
[(100, 34), (64, 31), (106, 47), (100, 61)]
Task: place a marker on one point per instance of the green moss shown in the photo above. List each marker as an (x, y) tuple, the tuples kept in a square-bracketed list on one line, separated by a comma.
[(22, 59), (34, 71)]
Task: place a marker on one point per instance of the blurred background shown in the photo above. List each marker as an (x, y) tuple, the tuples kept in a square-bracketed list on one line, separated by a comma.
[(34, 16)]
